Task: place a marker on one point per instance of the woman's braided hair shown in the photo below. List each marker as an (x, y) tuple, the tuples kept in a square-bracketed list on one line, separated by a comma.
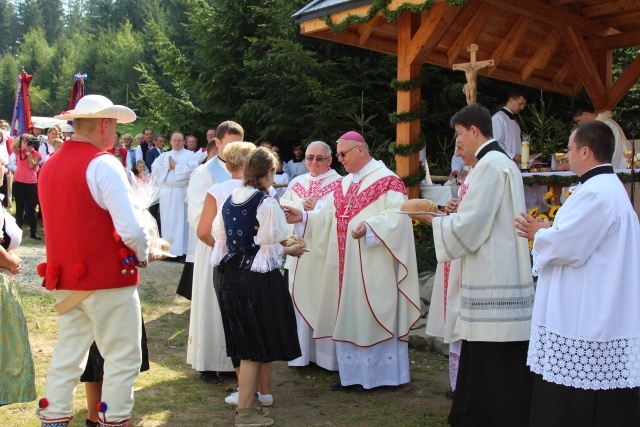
[(260, 162)]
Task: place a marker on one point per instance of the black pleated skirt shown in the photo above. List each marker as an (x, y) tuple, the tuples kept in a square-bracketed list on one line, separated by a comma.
[(257, 315)]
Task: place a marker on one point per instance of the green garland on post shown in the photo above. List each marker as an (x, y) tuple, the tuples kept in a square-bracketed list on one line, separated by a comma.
[(408, 116), (414, 178), (382, 7), (407, 150), (407, 85)]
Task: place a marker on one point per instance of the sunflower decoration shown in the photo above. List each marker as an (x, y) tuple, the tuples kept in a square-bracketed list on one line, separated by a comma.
[(549, 214)]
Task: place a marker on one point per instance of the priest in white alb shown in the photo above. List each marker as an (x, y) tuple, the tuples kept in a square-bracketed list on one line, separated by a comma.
[(493, 386), (206, 347), (585, 331), (172, 170), (369, 296), (308, 192)]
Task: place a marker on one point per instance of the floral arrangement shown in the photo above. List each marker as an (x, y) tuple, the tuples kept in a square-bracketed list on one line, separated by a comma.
[(549, 214)]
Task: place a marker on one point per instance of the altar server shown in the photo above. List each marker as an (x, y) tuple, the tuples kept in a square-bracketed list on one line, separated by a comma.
[(173, 169), (496, 289), (585, 331)]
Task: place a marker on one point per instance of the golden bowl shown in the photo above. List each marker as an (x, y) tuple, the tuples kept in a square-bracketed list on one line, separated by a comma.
[(560, 157)]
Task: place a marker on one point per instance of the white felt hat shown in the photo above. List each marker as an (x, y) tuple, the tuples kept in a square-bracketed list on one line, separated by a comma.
[(98, 107)]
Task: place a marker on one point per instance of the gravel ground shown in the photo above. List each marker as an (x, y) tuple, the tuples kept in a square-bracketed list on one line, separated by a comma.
[(28, 279)]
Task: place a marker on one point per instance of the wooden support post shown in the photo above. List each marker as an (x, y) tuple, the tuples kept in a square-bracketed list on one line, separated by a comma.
[(408, 132)]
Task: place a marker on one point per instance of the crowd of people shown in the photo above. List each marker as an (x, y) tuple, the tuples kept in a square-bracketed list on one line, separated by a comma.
[(347, 295)]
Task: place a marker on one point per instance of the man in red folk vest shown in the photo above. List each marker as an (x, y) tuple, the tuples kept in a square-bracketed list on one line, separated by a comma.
[(95, 244)]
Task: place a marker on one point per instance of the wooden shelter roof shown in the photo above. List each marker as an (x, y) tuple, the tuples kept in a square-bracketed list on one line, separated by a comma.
[(554, 45)]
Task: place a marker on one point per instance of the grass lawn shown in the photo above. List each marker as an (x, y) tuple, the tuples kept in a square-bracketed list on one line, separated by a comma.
[(171, 393)]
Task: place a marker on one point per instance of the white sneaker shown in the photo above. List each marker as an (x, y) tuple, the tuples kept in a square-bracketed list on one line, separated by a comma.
[(232, 399), (265, 399)]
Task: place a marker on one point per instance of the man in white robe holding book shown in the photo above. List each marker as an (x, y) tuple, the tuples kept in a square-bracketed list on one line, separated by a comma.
[(585, 331)]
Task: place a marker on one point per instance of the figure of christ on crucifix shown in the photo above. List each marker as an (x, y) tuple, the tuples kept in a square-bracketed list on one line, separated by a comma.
[(471, 71)]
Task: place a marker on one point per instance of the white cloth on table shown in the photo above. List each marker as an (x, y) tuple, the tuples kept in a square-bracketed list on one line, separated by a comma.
[(585, 330)]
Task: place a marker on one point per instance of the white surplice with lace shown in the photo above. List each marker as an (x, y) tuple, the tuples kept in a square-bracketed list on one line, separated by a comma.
[(585, 331)]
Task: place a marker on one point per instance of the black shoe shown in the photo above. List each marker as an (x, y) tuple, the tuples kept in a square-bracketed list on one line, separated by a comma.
[(90, 423), (450, 395), (210, 377), (36, 237), (337, 386)]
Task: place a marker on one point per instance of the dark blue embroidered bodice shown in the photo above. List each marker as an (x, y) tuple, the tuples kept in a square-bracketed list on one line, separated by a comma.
[(241, 226)]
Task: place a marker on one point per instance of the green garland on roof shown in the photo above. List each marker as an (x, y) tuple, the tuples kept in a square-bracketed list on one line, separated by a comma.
[(382, 7)]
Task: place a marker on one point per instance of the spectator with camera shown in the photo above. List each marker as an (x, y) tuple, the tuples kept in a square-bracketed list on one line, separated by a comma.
[(25, 185), (46, 148)]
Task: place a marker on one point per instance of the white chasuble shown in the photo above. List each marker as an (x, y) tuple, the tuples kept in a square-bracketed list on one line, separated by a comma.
[(369, 296), (206, 348), (496, 287), (305, 271), (173, 197)]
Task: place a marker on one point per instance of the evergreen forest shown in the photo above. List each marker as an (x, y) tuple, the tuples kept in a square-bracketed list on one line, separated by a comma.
[(190, 64)]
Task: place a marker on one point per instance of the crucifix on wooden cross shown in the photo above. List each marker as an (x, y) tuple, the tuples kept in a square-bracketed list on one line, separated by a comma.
[(471, 71)]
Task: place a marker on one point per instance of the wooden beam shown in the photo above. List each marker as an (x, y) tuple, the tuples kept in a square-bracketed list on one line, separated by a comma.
[(318, 24), (556, 16), (566, 70), (603, 60), (470, 33), (429, 24), (510, 43), (610, 8), (616, 41), (441, 29), (622, 21), (541, 58), (366, 29), (627, 79), (408, 132), (583, 62)]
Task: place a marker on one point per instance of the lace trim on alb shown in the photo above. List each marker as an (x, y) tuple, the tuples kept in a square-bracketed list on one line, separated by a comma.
[(595, 365)]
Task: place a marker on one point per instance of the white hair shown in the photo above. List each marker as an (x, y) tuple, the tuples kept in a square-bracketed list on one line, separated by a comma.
[(322, 144)]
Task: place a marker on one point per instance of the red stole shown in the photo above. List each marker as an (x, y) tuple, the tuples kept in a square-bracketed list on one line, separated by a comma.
[(350, 205)]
